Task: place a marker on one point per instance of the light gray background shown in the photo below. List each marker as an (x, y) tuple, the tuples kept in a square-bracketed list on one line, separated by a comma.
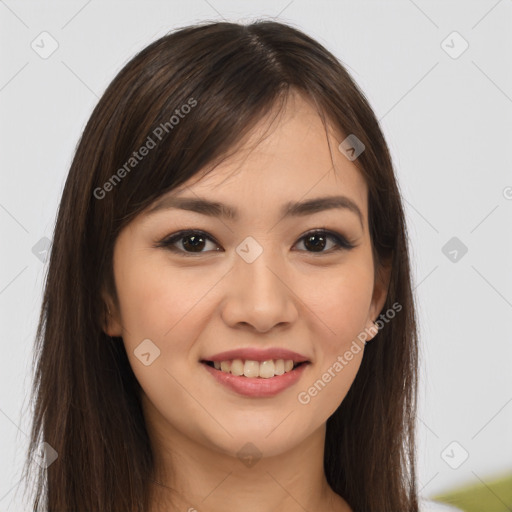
[(448, 124)]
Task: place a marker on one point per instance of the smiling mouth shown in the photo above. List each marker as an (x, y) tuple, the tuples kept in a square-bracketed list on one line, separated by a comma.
[(255, 369)]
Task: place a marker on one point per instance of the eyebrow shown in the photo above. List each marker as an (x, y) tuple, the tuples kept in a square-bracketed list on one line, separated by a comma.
[(290, 209)]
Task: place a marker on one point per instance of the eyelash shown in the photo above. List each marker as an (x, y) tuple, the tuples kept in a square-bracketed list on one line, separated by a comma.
[(167, 242)]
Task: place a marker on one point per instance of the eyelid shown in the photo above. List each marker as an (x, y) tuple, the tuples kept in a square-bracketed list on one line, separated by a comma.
[(342, 242)]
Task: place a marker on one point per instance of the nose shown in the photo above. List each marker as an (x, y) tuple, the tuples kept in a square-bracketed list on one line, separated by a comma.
[(259, 295)]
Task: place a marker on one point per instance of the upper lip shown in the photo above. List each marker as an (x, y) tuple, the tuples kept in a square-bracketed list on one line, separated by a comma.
[(258, 354)]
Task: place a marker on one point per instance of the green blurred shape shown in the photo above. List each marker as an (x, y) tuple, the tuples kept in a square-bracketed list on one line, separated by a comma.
[(491, 496)]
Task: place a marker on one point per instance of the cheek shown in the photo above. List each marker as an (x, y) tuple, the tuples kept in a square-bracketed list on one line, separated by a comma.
[(161, 305), (168, 306), (156, 299), (342, 304)]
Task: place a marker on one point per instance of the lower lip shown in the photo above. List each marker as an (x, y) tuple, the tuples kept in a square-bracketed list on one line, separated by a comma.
[(257, 387)]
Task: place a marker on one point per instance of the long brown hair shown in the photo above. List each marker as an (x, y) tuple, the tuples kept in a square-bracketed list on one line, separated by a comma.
[(85, 396)]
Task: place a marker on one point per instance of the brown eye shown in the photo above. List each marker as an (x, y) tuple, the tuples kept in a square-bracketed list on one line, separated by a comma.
[(195, 243), (187, 242), (316, 241), (192, 242)]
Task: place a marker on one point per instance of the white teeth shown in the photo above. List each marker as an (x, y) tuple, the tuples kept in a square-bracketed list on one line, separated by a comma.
[(225, 366), (237, 367), (266, 369), (253, 369), (279, 367)]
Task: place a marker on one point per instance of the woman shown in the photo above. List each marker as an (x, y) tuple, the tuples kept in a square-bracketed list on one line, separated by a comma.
[(230, 238)]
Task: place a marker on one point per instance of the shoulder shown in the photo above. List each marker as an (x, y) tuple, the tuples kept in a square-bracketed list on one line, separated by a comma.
[(436, 506)]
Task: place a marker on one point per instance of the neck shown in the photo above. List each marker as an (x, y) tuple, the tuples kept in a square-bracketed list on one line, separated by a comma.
[(193, 476)]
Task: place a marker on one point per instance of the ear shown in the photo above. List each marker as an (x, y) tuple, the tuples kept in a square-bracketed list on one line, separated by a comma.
[(380, 293), (111, 318)]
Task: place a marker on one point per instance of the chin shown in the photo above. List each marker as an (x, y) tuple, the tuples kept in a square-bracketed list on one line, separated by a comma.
[(257, 441)]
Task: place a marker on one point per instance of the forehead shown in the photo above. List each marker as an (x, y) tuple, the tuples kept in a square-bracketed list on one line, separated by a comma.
[(285, 158)]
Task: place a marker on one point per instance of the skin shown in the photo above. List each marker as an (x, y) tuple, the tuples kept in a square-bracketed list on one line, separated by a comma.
[(314, 303)]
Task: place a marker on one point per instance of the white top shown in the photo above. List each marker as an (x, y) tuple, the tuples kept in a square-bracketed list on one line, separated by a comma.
[(435, 506)]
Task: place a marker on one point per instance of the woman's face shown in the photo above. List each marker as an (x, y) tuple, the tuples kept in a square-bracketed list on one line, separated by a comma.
[(255, 280)]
